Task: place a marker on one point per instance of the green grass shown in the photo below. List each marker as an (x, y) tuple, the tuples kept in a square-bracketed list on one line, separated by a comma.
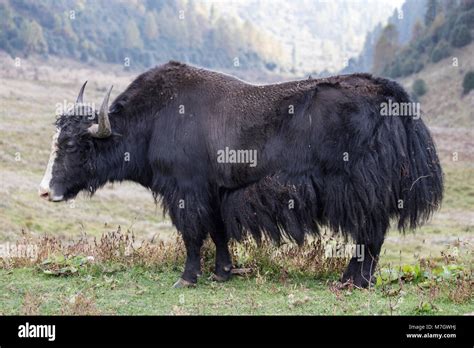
[(459, 187), (141, 291)]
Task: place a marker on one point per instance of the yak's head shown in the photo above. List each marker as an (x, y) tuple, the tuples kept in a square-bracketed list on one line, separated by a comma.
[(73, 160)]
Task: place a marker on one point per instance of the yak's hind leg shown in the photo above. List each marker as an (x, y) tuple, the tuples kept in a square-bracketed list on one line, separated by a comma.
[(360, 270)]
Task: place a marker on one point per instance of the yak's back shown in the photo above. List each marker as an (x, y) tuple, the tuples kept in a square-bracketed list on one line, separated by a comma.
[(160, 86)]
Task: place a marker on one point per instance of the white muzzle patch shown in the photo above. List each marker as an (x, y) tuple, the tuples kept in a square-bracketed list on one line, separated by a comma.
[(45, 188)]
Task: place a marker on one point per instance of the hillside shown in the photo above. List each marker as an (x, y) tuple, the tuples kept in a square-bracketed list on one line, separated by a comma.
[(316, 36), (274, 37), (133, 34), (403, 19), (420, 33), (444, 103)]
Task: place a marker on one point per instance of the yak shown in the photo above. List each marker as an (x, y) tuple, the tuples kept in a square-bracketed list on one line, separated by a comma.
[(278, 161)]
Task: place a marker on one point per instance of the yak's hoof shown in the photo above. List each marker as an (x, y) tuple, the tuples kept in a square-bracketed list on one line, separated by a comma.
[(359, 281), (181, 283)]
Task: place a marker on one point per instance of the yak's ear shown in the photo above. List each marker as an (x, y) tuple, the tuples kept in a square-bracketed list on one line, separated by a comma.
[(297, 102)]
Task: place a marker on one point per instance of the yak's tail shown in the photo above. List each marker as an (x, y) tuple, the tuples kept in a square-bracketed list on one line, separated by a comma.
[(421, 177)]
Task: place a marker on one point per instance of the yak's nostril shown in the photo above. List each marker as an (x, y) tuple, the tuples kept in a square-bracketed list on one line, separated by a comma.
[(43, 193)]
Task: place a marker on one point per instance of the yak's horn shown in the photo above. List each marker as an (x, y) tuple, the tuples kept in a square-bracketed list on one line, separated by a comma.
[(103, 129), (81, 94)]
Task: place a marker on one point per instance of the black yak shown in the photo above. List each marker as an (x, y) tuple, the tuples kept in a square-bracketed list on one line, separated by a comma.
[(230, 158)]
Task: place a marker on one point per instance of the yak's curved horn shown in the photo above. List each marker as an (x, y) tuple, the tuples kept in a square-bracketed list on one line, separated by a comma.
[(80, 97), (103, 129)]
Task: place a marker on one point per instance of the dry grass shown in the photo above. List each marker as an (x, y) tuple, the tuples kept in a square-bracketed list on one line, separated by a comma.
[(80, 304), (289, 259), (462, 292), (56, 256), (31, 304)]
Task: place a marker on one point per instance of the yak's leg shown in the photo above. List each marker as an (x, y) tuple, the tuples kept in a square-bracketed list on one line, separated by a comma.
[(360, 272), (361, 269), (223, 259), (192, 269)]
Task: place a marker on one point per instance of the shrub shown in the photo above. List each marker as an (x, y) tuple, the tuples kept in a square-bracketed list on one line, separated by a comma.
[(460, 36), (466, 18), (442, 50), (419, 88), (393, 69), (418, 66), (411, 65), (468, 82)]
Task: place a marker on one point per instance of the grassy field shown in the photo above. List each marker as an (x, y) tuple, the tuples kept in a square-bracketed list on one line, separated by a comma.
[(277, 284), (140, 291)]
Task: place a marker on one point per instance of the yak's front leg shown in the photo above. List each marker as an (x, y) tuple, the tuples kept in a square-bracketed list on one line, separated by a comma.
[(223, 260), (192, 269)]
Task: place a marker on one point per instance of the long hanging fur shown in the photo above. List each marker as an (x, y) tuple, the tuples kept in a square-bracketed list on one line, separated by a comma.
[(392, 172)]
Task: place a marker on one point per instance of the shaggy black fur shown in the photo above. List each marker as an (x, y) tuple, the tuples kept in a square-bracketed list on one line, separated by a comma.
[(302, 132)]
